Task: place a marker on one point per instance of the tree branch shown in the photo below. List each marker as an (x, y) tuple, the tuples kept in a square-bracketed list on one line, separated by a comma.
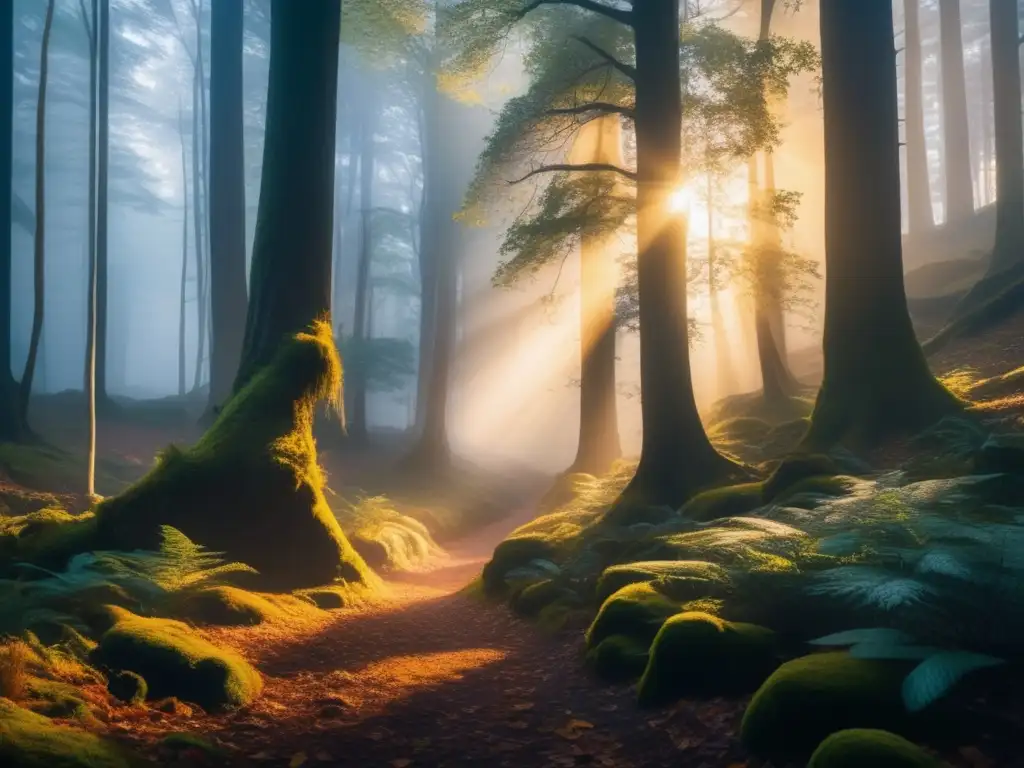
[(594, 106), (624, 68), (623, 17), (555, 167)]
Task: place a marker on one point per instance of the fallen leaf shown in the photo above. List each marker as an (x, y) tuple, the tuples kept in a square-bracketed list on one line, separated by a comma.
[(298, 759), (523, 706)]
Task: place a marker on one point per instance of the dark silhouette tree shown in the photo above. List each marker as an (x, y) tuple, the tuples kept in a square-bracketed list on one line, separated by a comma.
[(227, 198), (876, 380)]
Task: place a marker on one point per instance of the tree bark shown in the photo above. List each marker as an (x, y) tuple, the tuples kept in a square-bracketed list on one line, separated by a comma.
[(428, 274), (876, 380), (919, 196), (599, 141), (956, 146), (39, 250), (676, 458), (290, 276), (1008, 252), (198, 229), (227, 199), (356, 388), (90, 339), (102, 203), (182, 305), (12, 425)]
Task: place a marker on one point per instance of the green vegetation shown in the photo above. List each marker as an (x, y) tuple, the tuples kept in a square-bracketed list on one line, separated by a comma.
[(698, 654), (636, 611), (175, 661), (231, 606), (619, 658), (857, 747), (28, 740)]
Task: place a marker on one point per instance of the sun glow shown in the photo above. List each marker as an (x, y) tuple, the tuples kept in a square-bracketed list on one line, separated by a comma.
[(681, 200)]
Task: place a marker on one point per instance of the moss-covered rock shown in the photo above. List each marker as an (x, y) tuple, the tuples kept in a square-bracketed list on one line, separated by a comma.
[(185, 746), (636, 611), (792, 470), (699, 654), (864, 747), (127, 687), (533, 598), (618, 658), (231, 606), (251, 487), (513, 553), (678, 579), (47, 538), (29, 740), (726, 501), (175, 661), (807, 699), (804, 492), (53, 698)]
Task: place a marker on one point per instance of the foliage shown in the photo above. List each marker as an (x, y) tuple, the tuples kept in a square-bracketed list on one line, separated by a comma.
[(388, 363), (34, 741)]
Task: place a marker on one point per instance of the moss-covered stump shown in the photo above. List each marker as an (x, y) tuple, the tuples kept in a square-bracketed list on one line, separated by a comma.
[(636, 611), (176, 662), (251, 487), (860, 747), (28, 740), (807, 699), (127, 687), (618, 658), (792, 469), (678, 579), (699, 654)]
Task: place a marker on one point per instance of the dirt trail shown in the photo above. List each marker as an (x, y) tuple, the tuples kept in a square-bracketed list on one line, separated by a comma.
[(429, 677)]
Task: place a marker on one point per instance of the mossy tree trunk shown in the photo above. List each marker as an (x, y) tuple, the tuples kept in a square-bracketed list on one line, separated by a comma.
[(599, 141), (956, 139), (876, 380), (290, 275), (227, 198), (919, 196), (103, 401), (12, 424), (676, 457), (1008, 252)]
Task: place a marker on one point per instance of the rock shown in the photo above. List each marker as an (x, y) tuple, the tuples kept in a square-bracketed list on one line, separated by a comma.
[(679, 579), (857, 748), (127, 687), (1001, 453), (636, 611), (618, 658)]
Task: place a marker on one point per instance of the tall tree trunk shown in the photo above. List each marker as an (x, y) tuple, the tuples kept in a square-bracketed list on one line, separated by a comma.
[(428, 272), (987, 139), (599, 141), (227, 199), (290, 281), (876, 380), (1008, 252), (39, 250), (103, 401), (90, 338), (919, 196), (12, 425), (676, 457), (197, 230), (182, 304), (726, 373), (956, 144), (356, 389)]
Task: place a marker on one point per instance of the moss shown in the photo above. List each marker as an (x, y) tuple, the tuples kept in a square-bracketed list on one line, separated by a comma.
[(55, 699), (512, 553), (792, 469), (726, 501), (678, 579), (175, 661), (636, 611), (533, 598), (251, 487), (858, 747), (327, 598), (128, 687), (809, 698), (697, 653), (825, 485), (48, 537), (618, 658), (231, 606), (29, 740), (189, 742)]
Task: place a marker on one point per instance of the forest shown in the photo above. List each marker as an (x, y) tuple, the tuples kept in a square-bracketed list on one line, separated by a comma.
[(512, 383)]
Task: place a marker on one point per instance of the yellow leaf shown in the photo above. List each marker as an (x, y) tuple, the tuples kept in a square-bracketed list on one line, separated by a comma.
[(298, 759)]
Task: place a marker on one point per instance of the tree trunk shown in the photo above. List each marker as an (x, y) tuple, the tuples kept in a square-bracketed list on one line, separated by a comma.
[(986, 142), (197, 231), (1008, 252), (39, 250), (599, 141), (876, 380), (726, 373), (428, 275), (956, 145), (919, 196), (290, 276), (90, 338), (356, 388), (12, 425), (182, 323), (227, 199), (102, 200), (676, 457)]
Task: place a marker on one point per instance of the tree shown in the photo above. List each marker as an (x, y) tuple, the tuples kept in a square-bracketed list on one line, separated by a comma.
[(919, 197), (227, 199), (90, 21), (12, 422), (876, 380), (956, 143), (39, 251), (290, 274), (182, 323), (102, 202)]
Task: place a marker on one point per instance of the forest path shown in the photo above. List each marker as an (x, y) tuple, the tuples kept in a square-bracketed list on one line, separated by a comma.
[(431, 677)]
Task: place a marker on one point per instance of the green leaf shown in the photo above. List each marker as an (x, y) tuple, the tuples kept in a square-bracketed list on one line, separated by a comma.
[(876, 635), (935, 676)]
